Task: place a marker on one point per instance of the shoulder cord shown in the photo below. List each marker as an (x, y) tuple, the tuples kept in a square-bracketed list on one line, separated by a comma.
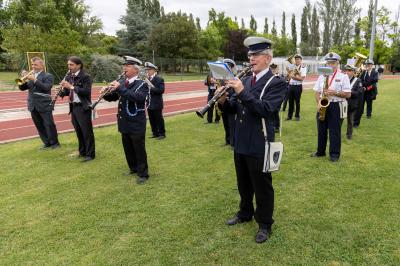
[(263, 119)]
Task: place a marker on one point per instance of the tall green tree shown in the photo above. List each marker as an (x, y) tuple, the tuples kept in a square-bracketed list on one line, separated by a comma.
[(304, 34), (283, 31), (242, 25), (314, 31), (253, 24), (383, 22), (266, 29), (294, 30), (368, 30), (198, 24), (273, 30), (234, 48), (326, 11)]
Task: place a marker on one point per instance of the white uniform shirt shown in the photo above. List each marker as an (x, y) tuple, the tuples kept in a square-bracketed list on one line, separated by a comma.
[(303, 74), (340, 83)]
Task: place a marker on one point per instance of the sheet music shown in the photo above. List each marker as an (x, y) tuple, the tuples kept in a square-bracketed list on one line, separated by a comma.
[(220, 70)]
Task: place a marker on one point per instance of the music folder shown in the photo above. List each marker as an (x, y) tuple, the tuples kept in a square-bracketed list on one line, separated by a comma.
[(220, 70)]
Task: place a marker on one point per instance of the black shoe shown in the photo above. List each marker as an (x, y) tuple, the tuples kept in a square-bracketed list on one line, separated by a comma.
[(87, 159), (355, 126), (236, 220), (216, 122), (161, 137), (45, 147), (368, 117), (55, 146), (316, 154), (288, 118), (262, 235), (297, 118), (141, 180), (349, 136), (276, 130), (152, 137), (333, 159)]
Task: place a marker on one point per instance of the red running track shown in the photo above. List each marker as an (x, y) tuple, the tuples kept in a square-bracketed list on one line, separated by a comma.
[(17, 99), (24, 128)]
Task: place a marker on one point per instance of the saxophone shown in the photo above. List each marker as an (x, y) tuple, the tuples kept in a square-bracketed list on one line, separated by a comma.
[(324, 101)]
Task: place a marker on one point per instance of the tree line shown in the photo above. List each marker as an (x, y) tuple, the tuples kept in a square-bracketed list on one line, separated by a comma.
[(66, 27)]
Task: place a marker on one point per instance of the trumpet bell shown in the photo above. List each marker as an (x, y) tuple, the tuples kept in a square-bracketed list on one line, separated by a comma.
[(19, 82)]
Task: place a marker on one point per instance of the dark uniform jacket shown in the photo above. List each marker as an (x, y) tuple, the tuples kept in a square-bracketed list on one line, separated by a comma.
[(368, 81), (82, 86), (43, 84), (156, 94), (131, 107), (249, 136), (356, 92)]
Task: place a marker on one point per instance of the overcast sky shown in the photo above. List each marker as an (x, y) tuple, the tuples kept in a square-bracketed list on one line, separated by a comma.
[(111, 11)]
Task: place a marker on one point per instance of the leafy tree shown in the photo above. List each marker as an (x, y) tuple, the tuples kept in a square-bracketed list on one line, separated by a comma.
[(326, 9), (304, 26), (368, 29), (234, 48), (198, 24), (242, 25), (294, 31), (273, 30), (383, 22), (283, 31), (266, 26), (253, 24), (314, 32)]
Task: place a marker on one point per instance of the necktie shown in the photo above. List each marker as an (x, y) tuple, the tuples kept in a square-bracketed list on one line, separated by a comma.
[(253, 80), (126, 83)]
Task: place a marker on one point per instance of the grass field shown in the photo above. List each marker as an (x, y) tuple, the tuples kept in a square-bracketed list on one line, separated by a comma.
[(7, 79), (56, 210)]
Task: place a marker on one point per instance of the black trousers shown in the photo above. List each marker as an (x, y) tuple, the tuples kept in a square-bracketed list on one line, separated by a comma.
[(135, 153), (252, 181), (156, 122), (45, 126), (82, 122), (227, 127), (332, 124), (368, 101), (351, 113), (359, 111), (294, 95), (211, 110)]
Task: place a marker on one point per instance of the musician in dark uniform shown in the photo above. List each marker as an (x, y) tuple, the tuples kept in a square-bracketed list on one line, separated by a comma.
[(356, 91), (132, 93), (249, 138), (78, 86), (369, 78), (210, 83), (39, 85), (228, 119), (295, 88), (338, 91), (156, 101)]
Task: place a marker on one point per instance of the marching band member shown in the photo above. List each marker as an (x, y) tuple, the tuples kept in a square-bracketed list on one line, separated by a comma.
[(296, 87), (40, 82), (249, 139), (210, 82), (78, 85), (339, 89), (369, 77), (156, 103), (132, 93), (356, 92)]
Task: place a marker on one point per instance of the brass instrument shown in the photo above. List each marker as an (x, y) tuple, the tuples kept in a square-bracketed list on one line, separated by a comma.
[(324, 101), (218, 95), (294, 71), (59, 90), (358, 64), (143, 76), (106, 90), (22, 80)]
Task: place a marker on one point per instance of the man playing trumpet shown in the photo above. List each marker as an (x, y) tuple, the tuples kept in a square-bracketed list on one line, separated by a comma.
[(39, 84)]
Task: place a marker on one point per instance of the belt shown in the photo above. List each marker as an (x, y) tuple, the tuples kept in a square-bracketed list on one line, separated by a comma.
[(76, 104)]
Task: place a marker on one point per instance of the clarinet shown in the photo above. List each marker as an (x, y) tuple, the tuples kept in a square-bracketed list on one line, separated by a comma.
[(59, 91), (106, 90), (224, 89)]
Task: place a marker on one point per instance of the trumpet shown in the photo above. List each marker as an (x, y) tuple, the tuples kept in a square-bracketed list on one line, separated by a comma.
[(106, 90), (59, 91), (294, 71), (218, 95), (22, 80)]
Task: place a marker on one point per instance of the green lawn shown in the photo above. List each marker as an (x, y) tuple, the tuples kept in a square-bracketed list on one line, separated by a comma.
[(56, 210)]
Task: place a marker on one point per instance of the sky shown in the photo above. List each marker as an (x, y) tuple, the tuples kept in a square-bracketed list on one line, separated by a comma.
[(111, 11)]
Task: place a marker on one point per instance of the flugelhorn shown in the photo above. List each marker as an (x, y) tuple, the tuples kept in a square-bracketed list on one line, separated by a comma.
[(22, 80), (106, 90), (224, 89), (59, 90)]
